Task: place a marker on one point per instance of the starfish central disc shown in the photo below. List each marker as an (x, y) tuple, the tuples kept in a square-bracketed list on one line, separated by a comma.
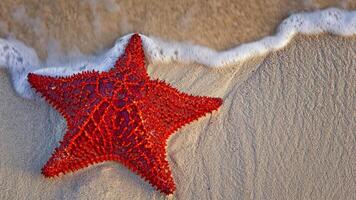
[(119, 115)]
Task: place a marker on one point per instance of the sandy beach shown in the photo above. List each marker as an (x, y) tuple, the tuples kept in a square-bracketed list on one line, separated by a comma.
[(286, 129)]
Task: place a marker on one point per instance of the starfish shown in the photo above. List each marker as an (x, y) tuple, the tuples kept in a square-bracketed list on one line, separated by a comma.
[(119, 115)]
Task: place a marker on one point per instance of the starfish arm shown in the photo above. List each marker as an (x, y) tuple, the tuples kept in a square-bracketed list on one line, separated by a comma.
[(73, 96), (136, 147), (165, 109), (92, 141), (70, 95), (132, 63), (75, 152), (148, 159), (155, 169)]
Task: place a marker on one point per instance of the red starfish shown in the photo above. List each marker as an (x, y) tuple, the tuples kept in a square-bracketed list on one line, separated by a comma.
[(120, 115)]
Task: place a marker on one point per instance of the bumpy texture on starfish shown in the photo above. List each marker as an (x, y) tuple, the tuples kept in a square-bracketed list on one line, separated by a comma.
[(120, 115)]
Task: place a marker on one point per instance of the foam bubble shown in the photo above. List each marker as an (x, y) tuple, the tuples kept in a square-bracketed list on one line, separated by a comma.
[(20, 59)]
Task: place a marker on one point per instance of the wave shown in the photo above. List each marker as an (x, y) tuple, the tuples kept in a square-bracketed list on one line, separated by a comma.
[(20, 59)]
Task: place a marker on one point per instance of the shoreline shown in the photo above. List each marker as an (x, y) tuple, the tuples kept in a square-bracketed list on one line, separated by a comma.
[(332, 20)]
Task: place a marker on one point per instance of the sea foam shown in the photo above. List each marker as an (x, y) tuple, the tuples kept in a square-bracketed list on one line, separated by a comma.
[(20, 59)]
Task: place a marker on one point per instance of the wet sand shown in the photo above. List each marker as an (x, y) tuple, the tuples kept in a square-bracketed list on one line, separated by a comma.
[(90, 26)]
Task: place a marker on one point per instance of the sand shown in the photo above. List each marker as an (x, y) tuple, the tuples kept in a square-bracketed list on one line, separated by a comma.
[(286, 129)]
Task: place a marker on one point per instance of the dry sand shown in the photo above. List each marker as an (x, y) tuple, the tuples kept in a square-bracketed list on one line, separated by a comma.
[(286, 129)]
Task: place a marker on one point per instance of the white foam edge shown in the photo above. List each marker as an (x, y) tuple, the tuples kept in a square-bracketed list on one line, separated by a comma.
[(20, 59)]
